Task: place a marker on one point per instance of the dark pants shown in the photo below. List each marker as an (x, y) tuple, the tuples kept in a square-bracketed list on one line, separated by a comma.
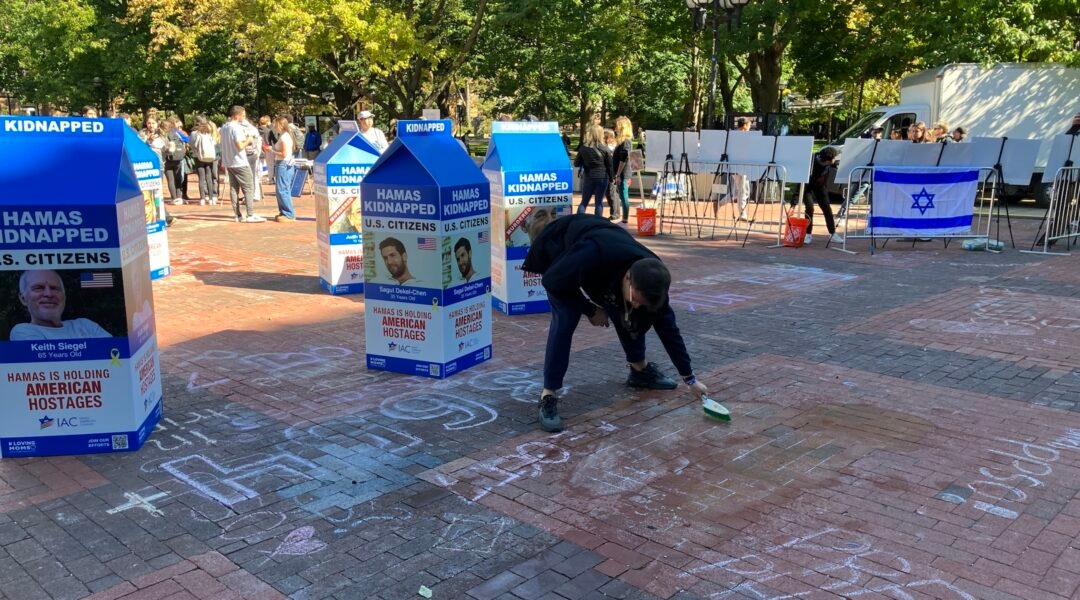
[(817, 194), (240, 178), (624, 197), (174, 178), (207, 181), (564, 321), (596, 189)]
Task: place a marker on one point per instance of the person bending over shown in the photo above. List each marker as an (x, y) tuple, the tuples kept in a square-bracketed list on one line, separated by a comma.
[(593, 267)]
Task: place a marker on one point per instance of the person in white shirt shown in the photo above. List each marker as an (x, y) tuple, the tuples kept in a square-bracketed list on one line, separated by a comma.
[(372, 134), (236, 138), (42, 293)]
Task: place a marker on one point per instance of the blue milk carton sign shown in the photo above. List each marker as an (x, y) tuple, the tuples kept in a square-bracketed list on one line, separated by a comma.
[(147, 165), (427, 256), (531, 185), (338, 171), (79, 369)]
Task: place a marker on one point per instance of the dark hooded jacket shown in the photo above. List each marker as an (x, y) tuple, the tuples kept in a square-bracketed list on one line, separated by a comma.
[(583, 259)]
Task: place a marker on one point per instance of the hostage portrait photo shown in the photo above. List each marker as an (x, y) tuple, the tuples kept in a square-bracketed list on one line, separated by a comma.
[(525, 223), (58, 304), (348, 215), (403, 259)]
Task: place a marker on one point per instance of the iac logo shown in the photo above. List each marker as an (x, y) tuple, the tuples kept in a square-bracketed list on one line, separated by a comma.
[(402, 348), (46, 422), (471, 342)]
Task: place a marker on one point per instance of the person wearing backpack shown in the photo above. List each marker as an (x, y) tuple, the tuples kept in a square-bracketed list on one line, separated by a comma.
[(298, 140), (205, 152), (173, 159)]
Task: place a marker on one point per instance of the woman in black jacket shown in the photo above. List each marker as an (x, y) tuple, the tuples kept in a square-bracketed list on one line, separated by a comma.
[(172, 156), (621, 158), (594, 159)]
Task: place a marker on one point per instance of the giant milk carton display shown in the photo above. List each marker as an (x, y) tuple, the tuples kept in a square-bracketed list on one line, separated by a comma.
[(79, 369), (338, 171), (147, 166), (427, 261), (531, 184)]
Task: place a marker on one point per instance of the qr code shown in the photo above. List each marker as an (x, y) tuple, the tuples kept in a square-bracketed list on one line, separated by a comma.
[(120, 442), (433, 370)]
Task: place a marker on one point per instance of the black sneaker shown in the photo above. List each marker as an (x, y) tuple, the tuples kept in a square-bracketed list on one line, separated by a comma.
[(550, 420), (650, 378)]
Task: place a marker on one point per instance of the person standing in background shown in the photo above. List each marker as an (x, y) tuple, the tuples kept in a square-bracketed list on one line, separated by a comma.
[(204, 149), (312, 142), (372, 134), (614, 202), (594, 160), (237, 136), (172, 161), (284, 168), (624, 133)]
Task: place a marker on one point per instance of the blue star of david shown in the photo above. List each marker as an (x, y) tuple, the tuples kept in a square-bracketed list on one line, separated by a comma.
[(918, 199)]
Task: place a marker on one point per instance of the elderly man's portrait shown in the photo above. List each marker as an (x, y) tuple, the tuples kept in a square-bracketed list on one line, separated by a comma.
[(536, 219), (43, 295)]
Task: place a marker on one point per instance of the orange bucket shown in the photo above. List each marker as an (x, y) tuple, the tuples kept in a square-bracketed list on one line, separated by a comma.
[(646, 221), (795, 232)]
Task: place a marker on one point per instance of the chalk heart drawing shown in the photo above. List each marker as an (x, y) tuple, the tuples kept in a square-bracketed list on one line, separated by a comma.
[(300, 542)]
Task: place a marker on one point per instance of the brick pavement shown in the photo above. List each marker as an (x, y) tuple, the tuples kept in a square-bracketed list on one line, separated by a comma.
[(905, 426)]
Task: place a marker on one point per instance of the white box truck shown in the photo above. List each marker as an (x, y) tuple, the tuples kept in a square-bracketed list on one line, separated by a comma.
[(1015, 100)]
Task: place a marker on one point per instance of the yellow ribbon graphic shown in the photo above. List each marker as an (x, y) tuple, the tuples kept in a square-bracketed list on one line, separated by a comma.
[(115, 354)]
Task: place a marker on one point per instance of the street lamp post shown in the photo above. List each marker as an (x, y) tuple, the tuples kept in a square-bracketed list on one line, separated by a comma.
[(731, 10)]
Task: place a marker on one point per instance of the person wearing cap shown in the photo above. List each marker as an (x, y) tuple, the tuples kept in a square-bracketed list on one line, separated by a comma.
[(371, 133)]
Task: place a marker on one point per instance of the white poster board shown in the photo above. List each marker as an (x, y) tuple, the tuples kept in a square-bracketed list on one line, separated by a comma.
[(1060, 153), (661, 144), (857, 153), (794, 154), (751, 148), (982, 152), (1018, 161), (713, 144)]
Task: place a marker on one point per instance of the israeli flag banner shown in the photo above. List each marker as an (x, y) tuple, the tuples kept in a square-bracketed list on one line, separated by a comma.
[(923, 201)]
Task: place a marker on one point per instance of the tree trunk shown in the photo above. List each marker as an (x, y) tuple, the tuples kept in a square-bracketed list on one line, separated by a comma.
[(763, 74), (692, 111)]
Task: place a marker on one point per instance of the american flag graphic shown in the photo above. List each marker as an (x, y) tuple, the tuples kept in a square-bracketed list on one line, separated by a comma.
[(95, 280), (425, 243), (484, 237)]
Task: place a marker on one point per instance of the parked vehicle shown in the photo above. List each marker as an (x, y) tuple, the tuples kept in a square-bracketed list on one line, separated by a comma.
[(1015, 100)]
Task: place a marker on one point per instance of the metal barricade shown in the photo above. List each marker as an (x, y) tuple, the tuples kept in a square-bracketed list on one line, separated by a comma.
[(676, 197), (1062, 219), (738, 199), (747, 198), (854, 216)]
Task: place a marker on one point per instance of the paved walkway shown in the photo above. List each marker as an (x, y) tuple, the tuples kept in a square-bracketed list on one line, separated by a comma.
[(905, 426)]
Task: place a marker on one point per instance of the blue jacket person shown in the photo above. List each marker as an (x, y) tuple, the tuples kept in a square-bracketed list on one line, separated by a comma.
[(592, 267)]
